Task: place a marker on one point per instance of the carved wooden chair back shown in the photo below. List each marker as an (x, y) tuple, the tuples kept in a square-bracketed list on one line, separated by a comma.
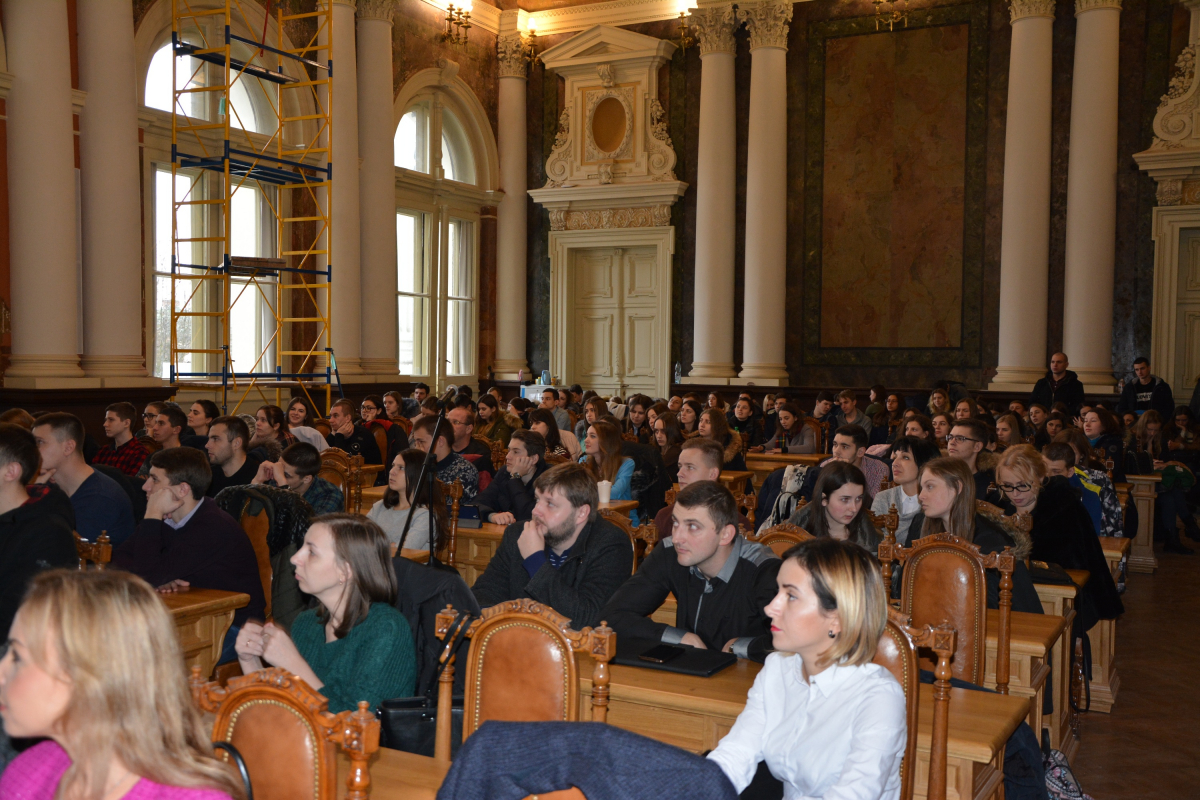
[(97, 553), (886, 484), (897, 652), (257, 527), (289, 740), (521, 668), (887, 523), (381, 440), (499, 451), (405, 423), (670, 495), (782, 537), (323, 426), (629, 436), (819, 430), (643, 537), (944, 584), (746, 505), (553, 459), (453, 493), (151, 446), (343, 471)]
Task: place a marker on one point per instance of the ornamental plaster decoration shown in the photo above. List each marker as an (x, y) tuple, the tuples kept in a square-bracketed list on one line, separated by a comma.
[(605, 71), (558, 166), (1092, 5), (714, 27), (1023, 9), (448, 71), (662, 151), (510, 50), (1191, 193), (558, 219), (768, 23), (1175, 121), (610, 218), (376, 9), (593, 151), (1170, 192)]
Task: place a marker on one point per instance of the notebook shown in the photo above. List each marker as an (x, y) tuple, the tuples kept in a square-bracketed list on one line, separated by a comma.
[(693, 661)]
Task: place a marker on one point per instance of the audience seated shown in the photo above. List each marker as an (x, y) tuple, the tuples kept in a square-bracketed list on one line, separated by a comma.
[(101, 504), (36, 522), (593, 409), (1060, 385), (846, 738), (709, 567), (967, 442), (792, 435), (354, 646), (837, 509), (402, 495), (742, 420), (712, 425), (909, 455), (1062, 531), (689, 417), (669, 439), (550, 403), (372, 412), (346, 435), (510, 497), (850, 446), (166, 427), (491, 422), (200, 415), (1104, 433), (1146, 392), (604, 462), (939, 402), (850, 414), (300, 424), (297, 470), (558, 442), (1008, 431), (186, 540), (948, 506), (94, 668), (1092, 472), (699, 460), (1059, 459), (413, 406), (919, 426), (636, 418), (462, 422), (566, 556), (942, 422), (450, 465), (231, 465), (122, 451), (888, 422)]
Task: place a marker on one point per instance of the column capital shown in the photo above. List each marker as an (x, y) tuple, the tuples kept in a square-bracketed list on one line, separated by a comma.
[(511, 51), (1023, 9), (714, 28), (1092, 5), (768, 23), (376, 9)]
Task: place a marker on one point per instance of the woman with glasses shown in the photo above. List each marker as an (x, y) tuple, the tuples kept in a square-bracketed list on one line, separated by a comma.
[(374, 414), (1062, 531)]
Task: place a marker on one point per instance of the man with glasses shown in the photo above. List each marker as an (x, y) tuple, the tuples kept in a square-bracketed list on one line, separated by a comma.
[(966, 441), (462, 419)]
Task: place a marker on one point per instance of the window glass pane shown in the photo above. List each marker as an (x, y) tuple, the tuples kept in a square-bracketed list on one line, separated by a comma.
[(244, 222), (410, 253), (158, 83), (459, 260), (458, 164), (459, 338), (411, 144), (413, 317), (187, 293), (243, 115)]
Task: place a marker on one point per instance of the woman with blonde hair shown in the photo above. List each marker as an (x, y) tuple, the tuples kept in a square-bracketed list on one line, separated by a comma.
[(1008, 431), (94, 664), (947, 497), (939, 402), (604, 462), (846, 737)]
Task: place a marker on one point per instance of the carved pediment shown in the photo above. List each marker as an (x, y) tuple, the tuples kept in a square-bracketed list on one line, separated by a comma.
[(602, 41)]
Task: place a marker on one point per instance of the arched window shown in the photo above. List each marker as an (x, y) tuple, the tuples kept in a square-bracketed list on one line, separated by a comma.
[(246, 95), (458, 163), (425, 124)]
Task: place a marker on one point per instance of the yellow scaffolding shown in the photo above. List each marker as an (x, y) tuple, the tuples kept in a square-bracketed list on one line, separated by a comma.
[(289, 160)]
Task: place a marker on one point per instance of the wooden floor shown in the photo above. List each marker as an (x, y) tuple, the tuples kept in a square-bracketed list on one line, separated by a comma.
[(1149, 747)]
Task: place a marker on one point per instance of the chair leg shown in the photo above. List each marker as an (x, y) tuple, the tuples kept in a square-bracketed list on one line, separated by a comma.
[(441, 741)]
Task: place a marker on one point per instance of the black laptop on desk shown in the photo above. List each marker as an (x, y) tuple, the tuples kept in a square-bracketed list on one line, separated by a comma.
[(685, 660)]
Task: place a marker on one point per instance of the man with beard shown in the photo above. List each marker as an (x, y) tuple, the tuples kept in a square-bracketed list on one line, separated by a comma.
[(566, 556)]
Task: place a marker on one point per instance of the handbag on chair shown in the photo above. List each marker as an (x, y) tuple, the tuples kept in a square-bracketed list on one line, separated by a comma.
[(410, 723)]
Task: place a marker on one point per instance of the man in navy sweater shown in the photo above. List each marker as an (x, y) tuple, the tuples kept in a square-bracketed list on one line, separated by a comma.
[(187, 540)]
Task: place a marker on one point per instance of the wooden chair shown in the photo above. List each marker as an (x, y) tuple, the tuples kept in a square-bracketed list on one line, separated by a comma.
[(454, 493), (289, 740), (257, 527), (944, 584), (747, 507), (345, 472), (521, 668), (629, 436), (886, 484), (897, 652), (499, 451), (381, 439), (151, 446), (323, 426), (782, 537), (405, 423), (97, 553), (819, 430), (553, 459), (886, 523), (644, 537)]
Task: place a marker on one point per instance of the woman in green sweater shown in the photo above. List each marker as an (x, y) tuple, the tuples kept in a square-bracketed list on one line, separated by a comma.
[(355, 646)]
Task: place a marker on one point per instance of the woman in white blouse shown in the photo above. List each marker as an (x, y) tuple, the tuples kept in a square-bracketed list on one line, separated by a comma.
[(909, 454), (828, 722)]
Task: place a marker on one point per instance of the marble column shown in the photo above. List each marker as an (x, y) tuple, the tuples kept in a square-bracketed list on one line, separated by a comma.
[(716, 196), (344, 246), (763, 360), (43, 242), (1025, 236), (377, 190), (512, 211), (1092, 194)]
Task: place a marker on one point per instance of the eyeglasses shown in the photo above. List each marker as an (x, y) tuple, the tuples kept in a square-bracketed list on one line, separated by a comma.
[(959, 438), (365, 407), (149, 416), (1009, 488)]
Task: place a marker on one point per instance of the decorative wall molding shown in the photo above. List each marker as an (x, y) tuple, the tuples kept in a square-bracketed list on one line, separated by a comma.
[(1174, 122), (603, 219), (1093, 5), (1023, 9), (377, 9), (1170, 192), (767, 22), (510, 49), (714, 28)]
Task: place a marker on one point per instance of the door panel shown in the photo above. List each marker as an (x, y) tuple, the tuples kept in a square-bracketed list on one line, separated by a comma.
[(1187, 315)]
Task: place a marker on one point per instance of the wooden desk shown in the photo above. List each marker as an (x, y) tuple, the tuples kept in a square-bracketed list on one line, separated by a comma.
[(1033, 638), (1058, 600), (370, 496), (1141, 558), (398, 776), (695, 713), (619, 506), (1103, 635), (763, 464), (735, 480), (202, 616)]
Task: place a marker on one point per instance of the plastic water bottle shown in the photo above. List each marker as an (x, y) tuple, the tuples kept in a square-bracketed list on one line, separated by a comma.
[(678, 373)]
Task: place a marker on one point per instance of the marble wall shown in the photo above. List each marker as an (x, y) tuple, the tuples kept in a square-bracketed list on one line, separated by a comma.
[(893, 189)]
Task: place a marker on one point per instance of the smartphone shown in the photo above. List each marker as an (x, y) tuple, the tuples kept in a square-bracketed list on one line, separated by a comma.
[(661, 654)]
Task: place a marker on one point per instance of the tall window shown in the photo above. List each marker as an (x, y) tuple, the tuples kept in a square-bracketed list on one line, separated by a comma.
[(247, 95), (412, 292), (460, 298), (251, 301), (412, 139)]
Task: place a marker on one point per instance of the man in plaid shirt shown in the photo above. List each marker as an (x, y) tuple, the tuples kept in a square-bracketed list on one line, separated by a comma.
[(297, 470), (123, 451)]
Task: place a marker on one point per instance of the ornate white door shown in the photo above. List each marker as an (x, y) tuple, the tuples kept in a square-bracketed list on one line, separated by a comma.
[(1187, 316)]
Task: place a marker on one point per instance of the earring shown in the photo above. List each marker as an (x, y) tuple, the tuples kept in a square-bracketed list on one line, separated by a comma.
[(832, 635)]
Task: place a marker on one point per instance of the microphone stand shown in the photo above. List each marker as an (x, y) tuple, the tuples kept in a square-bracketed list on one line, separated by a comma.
[(425, 480)]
